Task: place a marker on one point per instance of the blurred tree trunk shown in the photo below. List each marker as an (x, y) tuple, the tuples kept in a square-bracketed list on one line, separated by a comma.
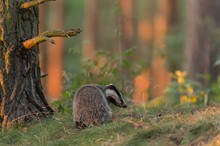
[(91, 34), (21, 96), (145, 14), (173, 17), (127, 23), (198, 45), (159, 71), (91, 29), (55, 52), (215, 53), (126, 20)]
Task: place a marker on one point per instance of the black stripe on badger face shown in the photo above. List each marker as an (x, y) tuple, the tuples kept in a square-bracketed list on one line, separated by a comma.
[(114, 96)]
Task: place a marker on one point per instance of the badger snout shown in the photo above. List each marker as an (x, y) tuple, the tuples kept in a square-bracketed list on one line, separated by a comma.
[(124, 105)]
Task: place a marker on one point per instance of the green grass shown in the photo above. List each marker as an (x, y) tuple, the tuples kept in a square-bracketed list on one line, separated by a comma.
[(157, 126)]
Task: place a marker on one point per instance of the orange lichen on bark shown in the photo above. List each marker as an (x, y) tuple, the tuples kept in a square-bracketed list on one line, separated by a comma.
[(7, 55), (35, 41), (2, 104), (4, 123), (6, 4), (2, 82), (32, 3)]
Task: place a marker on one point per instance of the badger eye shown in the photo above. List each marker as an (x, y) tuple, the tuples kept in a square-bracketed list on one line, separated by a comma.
[(113, 101)]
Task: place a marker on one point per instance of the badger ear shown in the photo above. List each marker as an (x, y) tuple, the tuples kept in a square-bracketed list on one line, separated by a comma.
[(110, 86), (113, 88)]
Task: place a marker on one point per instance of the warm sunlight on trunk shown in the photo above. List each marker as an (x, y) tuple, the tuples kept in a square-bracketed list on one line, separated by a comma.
[(55, 54), (145, 31), (55, 69), (141, 86), (160, 73), (145, 37)]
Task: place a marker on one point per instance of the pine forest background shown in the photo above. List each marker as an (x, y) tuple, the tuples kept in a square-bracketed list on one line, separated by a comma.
[(149, 49)]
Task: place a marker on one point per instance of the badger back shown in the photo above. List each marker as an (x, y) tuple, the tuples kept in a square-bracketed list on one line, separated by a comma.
[(90, 106)]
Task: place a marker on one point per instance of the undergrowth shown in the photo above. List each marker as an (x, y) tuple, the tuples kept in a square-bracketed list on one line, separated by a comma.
[(131, 126)]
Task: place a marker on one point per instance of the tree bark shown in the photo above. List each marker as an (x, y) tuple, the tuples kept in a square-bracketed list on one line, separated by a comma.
[(43, 13), (198, 46)]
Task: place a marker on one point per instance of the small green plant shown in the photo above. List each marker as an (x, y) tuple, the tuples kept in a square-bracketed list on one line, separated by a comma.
[(103, 70), (215, 90)]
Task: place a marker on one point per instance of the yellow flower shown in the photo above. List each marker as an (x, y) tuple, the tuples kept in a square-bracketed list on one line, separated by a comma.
[(190, 90), (180, 80), (183, 99), (193, 99), (180, 76), (180, 73), (186, 99)]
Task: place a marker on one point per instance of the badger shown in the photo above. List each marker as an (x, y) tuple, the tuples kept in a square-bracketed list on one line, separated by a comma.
[(91, 104)]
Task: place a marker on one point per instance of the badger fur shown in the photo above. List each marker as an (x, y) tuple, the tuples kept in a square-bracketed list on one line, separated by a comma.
[(90, 105)]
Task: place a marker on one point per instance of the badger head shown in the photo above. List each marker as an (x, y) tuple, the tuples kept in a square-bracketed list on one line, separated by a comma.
[(114, 96)]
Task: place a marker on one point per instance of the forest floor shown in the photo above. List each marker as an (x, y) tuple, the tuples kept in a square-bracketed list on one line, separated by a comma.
[(164, 126)]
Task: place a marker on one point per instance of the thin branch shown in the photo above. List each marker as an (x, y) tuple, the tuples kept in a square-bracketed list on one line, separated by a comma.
[(46, 36), (32, 3)]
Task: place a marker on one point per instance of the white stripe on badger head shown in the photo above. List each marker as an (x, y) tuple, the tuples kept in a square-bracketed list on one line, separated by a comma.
[(110, 92)]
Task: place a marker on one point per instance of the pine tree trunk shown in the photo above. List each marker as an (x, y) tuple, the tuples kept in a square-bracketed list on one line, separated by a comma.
[(159, 71), (21, 96), (215, 52), (198, 45), (127, 23), (91, 25), (145, 13), (55, 53)]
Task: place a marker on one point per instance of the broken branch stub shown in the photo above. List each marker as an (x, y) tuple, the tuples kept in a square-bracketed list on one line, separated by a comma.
[(32, 3), (46, 36)]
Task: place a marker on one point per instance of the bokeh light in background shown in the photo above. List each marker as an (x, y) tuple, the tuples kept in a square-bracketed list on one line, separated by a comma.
[(153, 30), (111, 26)]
